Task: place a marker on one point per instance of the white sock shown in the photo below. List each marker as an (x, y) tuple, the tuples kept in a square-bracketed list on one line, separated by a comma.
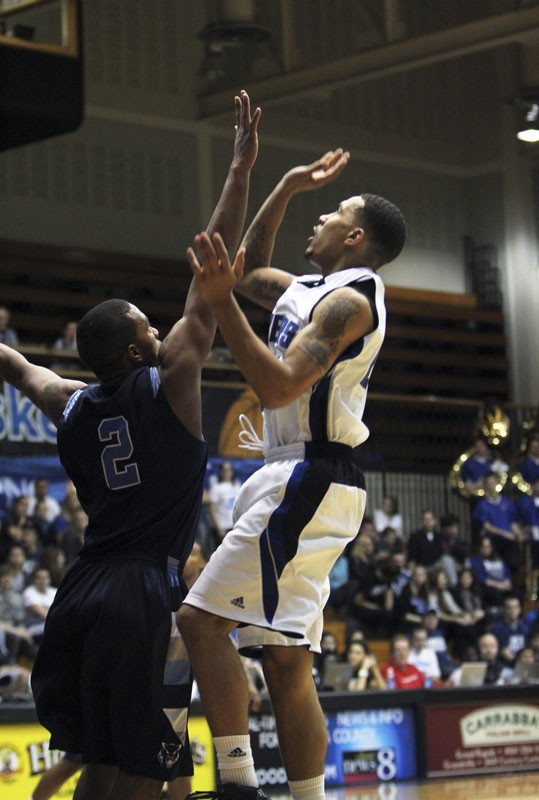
[(235, 760), (309, 789)]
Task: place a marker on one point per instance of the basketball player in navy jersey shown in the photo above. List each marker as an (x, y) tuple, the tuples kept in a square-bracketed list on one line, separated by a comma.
[(295, 516), (133, 446)]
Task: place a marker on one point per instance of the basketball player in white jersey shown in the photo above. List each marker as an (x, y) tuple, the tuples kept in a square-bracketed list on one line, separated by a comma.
[(295, 515)]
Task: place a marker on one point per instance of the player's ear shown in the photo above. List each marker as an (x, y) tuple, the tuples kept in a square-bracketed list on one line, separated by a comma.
[(355, 237), (134, 353)]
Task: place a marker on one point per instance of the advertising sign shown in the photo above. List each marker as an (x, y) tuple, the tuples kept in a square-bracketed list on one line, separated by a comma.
[(25, 755), (265, 746), (371, 746), (482, 737)]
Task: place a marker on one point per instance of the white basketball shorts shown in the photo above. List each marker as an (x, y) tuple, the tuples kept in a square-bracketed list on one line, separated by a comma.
[(292, 520)]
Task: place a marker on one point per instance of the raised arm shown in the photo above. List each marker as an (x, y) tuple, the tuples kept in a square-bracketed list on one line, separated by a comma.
[(260, 283), (188, 344), (42, 386), (229, 216)]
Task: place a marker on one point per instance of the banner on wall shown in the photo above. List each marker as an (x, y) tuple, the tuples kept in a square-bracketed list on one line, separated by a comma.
[(27, 449), (24, 429), (364, 747), (482, 738), (25, 755), (370, 746)]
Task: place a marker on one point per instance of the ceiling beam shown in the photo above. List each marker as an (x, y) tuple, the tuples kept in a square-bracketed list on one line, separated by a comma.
[(496, 31)]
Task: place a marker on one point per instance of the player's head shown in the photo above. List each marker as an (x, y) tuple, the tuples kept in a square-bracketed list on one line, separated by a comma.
[(384, 226), (365, 230), (115, 337)]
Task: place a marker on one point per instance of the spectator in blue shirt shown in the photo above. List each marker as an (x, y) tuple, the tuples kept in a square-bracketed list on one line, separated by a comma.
[(480, 463), (492, 574), (497, 516), (529, 467), (528, 515), (510, 630)]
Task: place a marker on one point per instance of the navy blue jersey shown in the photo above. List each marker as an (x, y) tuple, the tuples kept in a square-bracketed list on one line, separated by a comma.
[(137, 470)]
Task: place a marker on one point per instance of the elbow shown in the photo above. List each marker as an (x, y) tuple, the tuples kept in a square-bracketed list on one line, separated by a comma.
[(275, 397)]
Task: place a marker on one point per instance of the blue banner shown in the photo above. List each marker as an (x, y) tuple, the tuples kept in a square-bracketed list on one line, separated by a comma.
[(374, 745), (24, 429)]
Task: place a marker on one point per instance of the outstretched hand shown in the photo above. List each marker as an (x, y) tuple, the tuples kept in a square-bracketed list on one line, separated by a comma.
[(319, 173), (216, 277), (246, 143)]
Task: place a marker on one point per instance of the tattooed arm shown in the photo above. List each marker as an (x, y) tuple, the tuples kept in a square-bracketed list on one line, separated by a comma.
[(261, 283), (339, 319), (342, 317)]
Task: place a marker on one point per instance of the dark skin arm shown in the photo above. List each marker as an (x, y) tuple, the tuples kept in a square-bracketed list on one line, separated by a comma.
[(188, 344), (42, 386)]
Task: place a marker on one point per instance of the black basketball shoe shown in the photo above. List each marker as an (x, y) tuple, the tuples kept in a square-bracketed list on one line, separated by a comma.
[(230, 791)]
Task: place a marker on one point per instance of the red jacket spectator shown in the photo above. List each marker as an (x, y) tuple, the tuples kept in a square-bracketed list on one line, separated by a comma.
[(398, 673)]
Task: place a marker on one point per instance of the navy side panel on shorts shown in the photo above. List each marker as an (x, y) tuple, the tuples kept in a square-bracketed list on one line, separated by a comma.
[(305, 491)]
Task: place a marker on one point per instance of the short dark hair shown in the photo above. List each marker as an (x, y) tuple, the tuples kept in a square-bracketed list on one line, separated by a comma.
[(103, 335), (385, 227)]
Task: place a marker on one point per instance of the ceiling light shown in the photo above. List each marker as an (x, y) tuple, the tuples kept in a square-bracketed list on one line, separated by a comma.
[(527, 103)]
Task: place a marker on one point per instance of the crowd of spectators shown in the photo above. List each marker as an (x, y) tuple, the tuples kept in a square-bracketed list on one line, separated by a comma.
[(39, 540), (440, 598), (437, 599), (66, 339)]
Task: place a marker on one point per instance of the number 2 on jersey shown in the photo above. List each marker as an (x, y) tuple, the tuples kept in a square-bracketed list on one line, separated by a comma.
[(118, 473)]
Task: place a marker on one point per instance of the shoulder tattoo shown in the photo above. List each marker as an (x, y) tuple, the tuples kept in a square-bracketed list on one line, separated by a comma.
[(327, 334)]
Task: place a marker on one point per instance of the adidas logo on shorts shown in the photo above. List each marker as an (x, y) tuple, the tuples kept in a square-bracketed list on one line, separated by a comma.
[(238, 601)]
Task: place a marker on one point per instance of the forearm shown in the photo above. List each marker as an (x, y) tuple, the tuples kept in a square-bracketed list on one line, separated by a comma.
[(488, 527), (228, 218), (12, 366), (28, 378), (39, 611), (359, 683), (269, 378), (260, 237)]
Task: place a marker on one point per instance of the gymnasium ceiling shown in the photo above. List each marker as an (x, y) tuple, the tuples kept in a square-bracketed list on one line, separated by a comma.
[(420, 79)]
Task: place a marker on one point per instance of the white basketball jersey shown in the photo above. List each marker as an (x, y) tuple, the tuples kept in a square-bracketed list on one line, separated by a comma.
[(332, 409)]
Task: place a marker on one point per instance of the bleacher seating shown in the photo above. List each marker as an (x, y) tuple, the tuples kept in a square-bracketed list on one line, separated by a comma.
[(437, 343)]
